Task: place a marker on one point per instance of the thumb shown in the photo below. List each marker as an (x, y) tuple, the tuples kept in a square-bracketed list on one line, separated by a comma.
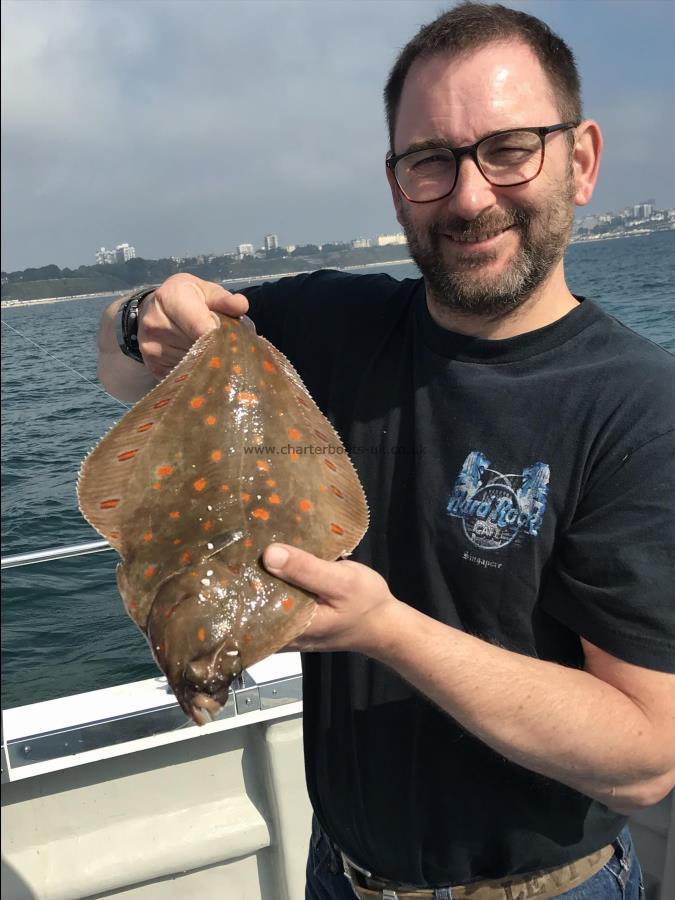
[(317, 576)]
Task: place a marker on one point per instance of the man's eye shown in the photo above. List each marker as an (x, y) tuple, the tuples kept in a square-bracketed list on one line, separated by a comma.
[(430, 162)]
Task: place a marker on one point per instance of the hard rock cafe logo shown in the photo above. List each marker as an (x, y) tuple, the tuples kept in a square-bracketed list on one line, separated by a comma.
[(496, 508)]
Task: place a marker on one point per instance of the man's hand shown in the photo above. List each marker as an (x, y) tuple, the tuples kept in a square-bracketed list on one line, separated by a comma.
[(170, 321), (351, 599), (176, 314)]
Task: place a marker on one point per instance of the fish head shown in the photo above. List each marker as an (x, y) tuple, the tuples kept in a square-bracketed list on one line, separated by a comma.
[(211, 621), (198, 656)]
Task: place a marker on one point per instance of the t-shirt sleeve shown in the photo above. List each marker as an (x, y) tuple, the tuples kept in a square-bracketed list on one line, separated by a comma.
[(614, 579)]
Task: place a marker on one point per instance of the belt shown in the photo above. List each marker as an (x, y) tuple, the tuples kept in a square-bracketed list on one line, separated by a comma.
[(539, 885)]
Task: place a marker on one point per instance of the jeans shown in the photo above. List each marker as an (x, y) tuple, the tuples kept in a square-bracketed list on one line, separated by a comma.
[(619, 879)]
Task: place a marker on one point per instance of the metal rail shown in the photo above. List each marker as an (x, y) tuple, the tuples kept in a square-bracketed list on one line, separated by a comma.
[(38, 556)]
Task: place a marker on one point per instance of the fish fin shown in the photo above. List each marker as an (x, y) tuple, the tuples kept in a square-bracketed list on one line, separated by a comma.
[(102, 485), (341, 472)]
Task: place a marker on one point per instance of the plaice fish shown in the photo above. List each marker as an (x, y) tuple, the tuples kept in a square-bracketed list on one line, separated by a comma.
[(226, 455)]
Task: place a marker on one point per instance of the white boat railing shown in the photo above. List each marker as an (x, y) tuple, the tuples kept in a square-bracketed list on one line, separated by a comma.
[(39, 556)]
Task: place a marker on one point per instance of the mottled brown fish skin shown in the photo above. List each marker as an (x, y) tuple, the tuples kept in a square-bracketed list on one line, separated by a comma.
[(190, 487)]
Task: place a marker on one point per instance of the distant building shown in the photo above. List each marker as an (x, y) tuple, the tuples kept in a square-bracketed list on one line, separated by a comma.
[(644, 210), (245, 250), (124, 252), (121, 253), (361, 243), (271, 242), (105, 257), (385, 240)]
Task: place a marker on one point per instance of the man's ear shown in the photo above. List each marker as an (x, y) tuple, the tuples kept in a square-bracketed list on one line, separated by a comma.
[(586, 157), (395, 194)]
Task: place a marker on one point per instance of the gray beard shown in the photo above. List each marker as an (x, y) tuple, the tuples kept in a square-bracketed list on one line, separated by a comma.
[(544, 235)]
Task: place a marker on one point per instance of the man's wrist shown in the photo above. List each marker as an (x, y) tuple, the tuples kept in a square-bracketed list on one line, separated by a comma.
[(127, 323)]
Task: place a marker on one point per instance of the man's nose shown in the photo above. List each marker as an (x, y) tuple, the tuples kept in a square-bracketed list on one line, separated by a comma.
[(473, 194)]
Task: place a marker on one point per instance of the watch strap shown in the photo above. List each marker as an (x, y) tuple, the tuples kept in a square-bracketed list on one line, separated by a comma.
[(127, 323)]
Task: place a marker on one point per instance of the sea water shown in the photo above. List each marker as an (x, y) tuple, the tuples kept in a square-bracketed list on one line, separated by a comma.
[(64, 629)]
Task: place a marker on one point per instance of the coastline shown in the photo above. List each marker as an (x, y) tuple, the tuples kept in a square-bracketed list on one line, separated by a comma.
[(254, 279), (251, 279)]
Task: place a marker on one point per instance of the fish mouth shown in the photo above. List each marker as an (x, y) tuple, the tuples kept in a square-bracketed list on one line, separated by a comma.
[(204, 709), (205, 684)]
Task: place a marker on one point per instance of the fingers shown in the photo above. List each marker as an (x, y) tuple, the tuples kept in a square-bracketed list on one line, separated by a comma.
[(176, 314)]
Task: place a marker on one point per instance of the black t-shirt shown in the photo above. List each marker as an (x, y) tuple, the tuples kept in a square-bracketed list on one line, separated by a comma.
[(520, 490)]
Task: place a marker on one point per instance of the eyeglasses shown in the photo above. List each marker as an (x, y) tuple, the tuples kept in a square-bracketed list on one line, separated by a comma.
[(504, 159)]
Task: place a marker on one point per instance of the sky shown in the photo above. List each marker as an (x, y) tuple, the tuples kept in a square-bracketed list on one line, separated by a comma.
[(190, 126)]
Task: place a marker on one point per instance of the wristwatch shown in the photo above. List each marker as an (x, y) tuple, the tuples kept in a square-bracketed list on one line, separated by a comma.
[(127, 323)]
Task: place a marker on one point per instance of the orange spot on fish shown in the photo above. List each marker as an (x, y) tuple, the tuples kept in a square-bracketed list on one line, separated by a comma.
[(207, 526), (199, 484), (161, 403), (201, 634), (262, 465), (146, 427), (248, 543), (185, 558), (109, 504), (270, 482), (274, 498), (336, 491), (209, 390), (236, 370), (193, 573), (164, 471), (232, 336), (178, 455), (216, 455), (252, 348), (331, 465), (214, 362), (294, 434), (248, 637), (210, 420), (128, 454), (177, 541), (294, 455), (147, 537), (227, 389), (157, 486), (245, 497), (174, 514), (225, 487), (336, 529), (288, 603), (268, 367), (150, 571), (260, 513), (196, 402), (247, 398), (305, 505), (322, 488)]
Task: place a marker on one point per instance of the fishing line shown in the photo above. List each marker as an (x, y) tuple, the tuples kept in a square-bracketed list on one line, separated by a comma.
[(43, 350)]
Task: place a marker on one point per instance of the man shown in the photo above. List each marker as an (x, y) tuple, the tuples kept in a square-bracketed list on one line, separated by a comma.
[(488, 689)]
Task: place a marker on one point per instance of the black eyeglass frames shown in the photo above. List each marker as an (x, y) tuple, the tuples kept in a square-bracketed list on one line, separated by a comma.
[(504, 158)]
